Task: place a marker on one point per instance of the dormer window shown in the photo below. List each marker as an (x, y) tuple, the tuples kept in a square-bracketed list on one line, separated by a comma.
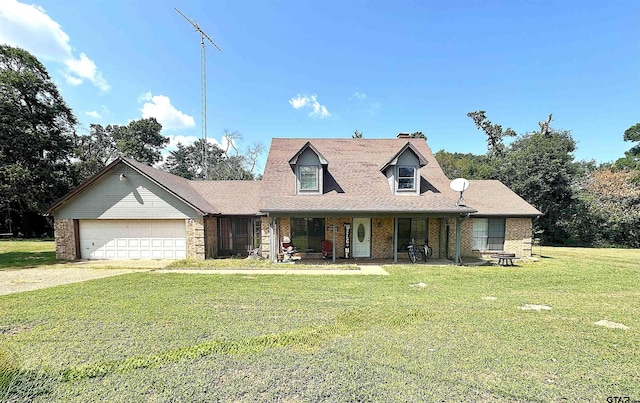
[(406, 178), (403, 171), (308, 177), (309, 166)]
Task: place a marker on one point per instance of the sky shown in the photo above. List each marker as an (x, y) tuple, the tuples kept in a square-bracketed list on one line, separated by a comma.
[(326, 68)]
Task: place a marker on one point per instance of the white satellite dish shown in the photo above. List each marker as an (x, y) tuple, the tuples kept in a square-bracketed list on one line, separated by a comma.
[(459, 185)]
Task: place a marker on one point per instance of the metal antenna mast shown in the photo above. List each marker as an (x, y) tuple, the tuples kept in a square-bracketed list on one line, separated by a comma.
[(203, 83)]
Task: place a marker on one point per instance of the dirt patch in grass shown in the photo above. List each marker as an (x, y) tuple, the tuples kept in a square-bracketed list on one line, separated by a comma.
[(610, 324), (535, 307)]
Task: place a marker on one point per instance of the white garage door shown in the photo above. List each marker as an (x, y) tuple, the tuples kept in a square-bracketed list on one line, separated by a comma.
[(132, 239)]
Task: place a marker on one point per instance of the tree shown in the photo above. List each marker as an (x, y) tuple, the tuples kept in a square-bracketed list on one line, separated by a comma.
[(418, 135), (494, 132), (631, 160), (469, 166), (539, 167), (37, 133), (140, 140), (612, 198), (189, 161), (356, 134)]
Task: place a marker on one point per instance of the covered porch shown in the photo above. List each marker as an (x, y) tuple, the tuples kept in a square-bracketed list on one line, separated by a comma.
[(374, 237)]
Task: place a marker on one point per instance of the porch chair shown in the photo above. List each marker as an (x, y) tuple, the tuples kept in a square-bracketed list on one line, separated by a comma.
[(327, 250)]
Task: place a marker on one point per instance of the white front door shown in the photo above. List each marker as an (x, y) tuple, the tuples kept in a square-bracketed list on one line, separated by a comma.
[(361, 237)]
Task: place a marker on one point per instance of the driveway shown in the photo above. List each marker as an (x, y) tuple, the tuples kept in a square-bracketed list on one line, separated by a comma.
[(12, 281)]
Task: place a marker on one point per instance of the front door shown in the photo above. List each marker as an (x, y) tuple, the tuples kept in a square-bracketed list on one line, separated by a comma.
[(361, 237)]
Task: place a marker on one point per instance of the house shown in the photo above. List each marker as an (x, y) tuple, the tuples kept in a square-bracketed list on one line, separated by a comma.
[(369, 197)]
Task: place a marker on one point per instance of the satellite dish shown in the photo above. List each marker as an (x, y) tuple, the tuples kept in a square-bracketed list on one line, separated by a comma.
[(459, 185)]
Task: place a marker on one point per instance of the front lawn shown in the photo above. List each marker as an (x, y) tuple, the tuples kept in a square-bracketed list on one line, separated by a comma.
[(424, 333), (18, 253)]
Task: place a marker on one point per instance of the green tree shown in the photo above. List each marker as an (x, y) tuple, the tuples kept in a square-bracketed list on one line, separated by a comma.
[(540, 168), (188, 161), (140, 139), (357, 134), (228, 164), (37, 133), (631, 160), (495, 134), (469, 166)]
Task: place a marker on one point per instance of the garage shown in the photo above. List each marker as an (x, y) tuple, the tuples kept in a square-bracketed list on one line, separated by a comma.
[(132, 239)]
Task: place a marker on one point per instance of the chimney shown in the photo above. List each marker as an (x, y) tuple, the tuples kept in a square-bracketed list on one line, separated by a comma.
[(404, 135)]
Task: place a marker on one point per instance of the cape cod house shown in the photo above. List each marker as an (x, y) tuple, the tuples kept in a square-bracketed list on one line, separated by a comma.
[(368, 197)]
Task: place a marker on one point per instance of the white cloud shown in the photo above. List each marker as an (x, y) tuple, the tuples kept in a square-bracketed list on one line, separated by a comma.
[(93, 114), (29, 27), (358, 95), (159, 107), (310, 102)]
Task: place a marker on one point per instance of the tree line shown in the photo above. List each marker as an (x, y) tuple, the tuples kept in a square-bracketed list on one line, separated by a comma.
[(42, 157), (583, 203)]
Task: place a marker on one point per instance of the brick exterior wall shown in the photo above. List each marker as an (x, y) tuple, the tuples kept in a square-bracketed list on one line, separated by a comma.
[(517, 237), (65, 236), (211, 237), (382, 238), (340, 230), (195, 238)]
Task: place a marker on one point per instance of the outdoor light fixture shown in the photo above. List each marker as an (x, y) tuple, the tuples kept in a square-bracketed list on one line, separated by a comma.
[(122, 177)]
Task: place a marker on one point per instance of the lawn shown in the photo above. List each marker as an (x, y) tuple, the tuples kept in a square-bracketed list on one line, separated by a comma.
[(424, 333)]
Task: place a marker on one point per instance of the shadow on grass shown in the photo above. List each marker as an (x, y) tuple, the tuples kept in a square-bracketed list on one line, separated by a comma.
[(22, 260), (27, 385)]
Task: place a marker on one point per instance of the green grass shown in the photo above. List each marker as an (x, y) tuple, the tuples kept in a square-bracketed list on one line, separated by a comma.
[(18, 254), (185, 337)]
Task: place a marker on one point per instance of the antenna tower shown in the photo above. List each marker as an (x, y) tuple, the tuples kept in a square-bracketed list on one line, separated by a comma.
[(203, 84)]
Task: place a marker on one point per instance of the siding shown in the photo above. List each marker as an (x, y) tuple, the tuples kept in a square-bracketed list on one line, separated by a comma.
[(136, 197)]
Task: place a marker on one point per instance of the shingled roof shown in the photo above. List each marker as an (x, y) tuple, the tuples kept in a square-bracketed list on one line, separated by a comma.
[(353, 182)]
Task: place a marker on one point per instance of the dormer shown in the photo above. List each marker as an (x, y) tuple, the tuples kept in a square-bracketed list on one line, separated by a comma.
[(309, 166), (403, 171)]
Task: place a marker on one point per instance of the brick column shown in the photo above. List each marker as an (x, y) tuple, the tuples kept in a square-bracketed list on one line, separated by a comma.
[(195, 238), (65, 236)]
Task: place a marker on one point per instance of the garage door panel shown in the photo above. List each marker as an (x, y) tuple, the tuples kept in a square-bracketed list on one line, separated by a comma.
[(132, 239)]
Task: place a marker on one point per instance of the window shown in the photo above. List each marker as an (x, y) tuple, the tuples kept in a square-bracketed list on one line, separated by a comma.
[(488, 234), (308, 177), (235, 235), (406, 178), (307, 234), (412, 228)]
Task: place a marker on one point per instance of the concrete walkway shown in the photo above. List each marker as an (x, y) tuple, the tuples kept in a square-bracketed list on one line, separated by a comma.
[(367, 270)]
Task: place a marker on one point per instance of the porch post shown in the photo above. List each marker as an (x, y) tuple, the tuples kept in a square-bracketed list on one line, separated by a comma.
[(458, 259), (395, 240), (333, 242), (273, 251)]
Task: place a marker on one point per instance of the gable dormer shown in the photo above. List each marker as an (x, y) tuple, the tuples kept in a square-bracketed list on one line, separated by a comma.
[(309, 166), (403, 170)]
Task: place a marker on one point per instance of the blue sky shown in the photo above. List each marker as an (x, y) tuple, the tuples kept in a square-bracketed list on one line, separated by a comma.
[(327, 68)]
